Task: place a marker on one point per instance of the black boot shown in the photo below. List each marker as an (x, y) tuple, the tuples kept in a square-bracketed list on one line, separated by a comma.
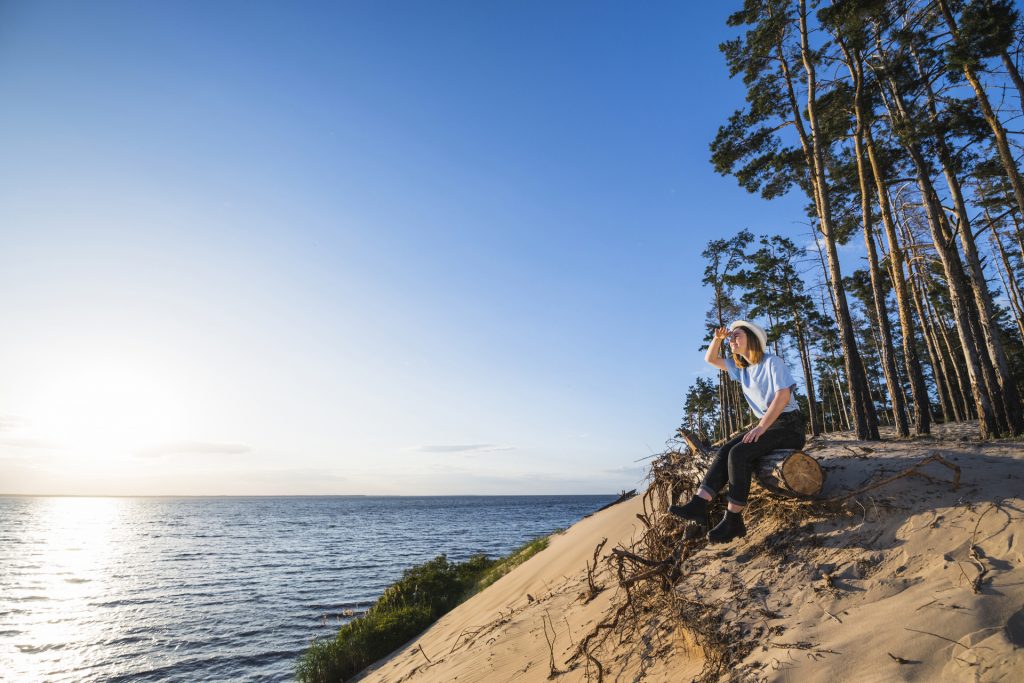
[(729, 528), (695, 511)]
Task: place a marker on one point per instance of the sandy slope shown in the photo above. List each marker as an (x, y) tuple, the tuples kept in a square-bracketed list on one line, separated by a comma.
[(499, 635), (831, 596)]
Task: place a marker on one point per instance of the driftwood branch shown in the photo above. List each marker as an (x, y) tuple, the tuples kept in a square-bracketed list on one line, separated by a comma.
[(694, 443), (594, 587), (912, 471), (555, 671), (623, 553)]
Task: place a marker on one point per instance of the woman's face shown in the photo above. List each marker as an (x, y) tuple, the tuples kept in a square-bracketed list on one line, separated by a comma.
[(738, 341)]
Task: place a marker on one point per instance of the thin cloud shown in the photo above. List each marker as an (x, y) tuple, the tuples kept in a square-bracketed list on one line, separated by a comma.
[(194, 448), (628, 470), (8, 423), (463, 448), (27, 443)]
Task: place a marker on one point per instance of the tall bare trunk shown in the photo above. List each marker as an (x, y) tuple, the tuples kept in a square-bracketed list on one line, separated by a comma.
[(886, 414), (863, 410), (861, 133), (924, 411), (941, 373), (805, 361), (988, 423), (1002, 144), (947, 363), (1002, 387), (1011, 69), (1007, 276), (897, 259), (898, 400)]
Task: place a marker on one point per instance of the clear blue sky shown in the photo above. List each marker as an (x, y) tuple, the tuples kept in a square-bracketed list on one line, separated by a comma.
[(368, 247)]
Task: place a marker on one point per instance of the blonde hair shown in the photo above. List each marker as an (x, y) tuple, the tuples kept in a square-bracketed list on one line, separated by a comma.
[(754, 349)]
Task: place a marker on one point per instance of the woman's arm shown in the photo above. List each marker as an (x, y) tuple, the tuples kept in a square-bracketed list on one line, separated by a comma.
[(712, 357), (773, 412)]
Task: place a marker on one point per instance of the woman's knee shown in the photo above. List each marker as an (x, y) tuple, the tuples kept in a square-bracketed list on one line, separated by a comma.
[(741, 453), (723, 452), (739, 461)]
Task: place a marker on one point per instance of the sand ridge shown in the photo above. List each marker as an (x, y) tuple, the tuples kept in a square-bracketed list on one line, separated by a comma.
[(909, 581)]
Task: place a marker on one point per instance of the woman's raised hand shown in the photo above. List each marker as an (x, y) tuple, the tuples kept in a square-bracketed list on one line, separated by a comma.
[(713, 355)]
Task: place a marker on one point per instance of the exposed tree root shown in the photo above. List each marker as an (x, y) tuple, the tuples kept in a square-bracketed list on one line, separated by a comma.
[(664, 581)]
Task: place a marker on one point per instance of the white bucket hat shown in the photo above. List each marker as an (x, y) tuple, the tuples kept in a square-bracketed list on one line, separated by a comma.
[(758, 331)]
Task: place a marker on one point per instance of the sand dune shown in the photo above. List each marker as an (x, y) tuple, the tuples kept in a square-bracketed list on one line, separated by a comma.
[(909, 581)]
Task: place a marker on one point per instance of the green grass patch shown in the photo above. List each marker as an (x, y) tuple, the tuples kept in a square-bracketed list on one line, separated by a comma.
[(516, 558), (411, 604)]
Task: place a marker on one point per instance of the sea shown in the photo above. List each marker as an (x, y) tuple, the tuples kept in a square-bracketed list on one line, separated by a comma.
[(223, 589)]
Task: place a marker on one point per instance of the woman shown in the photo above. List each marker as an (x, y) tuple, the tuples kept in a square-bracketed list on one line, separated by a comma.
[(768, 387)]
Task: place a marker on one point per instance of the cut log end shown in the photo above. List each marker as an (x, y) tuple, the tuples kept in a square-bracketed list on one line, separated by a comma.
[(791, 472)]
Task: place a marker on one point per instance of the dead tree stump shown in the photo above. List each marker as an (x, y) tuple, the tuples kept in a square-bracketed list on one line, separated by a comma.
[(791, 473)]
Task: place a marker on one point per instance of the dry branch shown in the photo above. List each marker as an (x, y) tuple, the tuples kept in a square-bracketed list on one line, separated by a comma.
[(912, 471)]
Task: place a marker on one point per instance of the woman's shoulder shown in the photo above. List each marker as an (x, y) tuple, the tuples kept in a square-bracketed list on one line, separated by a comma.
[(775, 365), (770, 360)]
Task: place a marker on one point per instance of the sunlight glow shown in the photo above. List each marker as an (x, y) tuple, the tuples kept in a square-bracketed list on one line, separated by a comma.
[(106, 405)]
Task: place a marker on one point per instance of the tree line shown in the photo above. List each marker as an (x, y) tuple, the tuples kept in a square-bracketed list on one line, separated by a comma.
[(895, 119)]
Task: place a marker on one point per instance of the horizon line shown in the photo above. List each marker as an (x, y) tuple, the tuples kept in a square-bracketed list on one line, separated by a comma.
[(300, 495)]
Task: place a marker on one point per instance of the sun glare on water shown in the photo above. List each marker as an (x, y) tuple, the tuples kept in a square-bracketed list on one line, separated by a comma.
[(66, 565)]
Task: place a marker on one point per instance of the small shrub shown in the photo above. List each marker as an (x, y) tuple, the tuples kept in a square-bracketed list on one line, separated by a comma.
[(361, 642), (411, 604), (516, 558)]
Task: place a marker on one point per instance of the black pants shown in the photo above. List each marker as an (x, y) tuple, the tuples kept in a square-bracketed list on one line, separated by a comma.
[(735, 460)]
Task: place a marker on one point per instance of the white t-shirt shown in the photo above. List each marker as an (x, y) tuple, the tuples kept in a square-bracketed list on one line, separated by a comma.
[(762, 381)]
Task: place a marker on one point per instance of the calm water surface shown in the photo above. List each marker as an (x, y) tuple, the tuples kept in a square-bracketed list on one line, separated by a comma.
[(222, 589)]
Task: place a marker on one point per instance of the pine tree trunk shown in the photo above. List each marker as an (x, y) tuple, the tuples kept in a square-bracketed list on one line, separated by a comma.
[(1003, 388), (1011, 69), (887, 405), (988, 422), (1007, 276), (723, 402), (825, 405), (861, 135), (805, 361), (946, 365), (834, 409), (898, 401), (957, 362), (919, 391), (988, 372), (843, 410), (939, 371), (1002, 144), (863, 409), (959, 299)]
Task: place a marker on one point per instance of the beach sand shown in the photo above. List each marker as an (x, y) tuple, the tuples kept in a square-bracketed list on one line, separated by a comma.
[(910, 581)]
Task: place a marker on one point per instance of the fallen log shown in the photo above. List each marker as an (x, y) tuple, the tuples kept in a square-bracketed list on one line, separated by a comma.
[(790, 473)]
